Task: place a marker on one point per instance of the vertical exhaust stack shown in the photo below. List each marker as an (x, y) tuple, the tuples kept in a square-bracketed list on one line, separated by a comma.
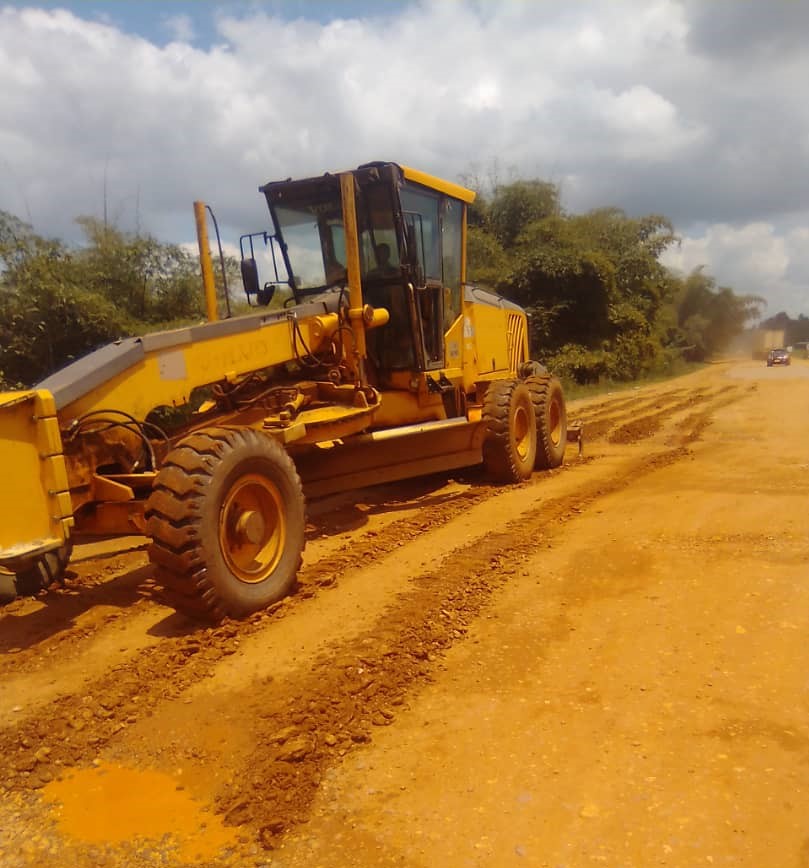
[(208, 284)]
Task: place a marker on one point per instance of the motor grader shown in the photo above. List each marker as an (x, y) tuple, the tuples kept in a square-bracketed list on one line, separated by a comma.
[(366, 357)]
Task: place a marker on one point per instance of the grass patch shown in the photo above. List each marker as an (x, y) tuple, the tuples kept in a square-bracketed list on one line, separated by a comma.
[(576, 391)]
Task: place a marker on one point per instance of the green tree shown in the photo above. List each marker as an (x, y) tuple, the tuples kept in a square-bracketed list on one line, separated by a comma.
[(151, 281), (601, 303), (488, 263), (709, 317), (46, 317), (59, 303), (594, 280), (515, 206)]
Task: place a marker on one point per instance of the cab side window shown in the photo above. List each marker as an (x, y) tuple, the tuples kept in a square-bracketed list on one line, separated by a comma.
[(452, 252), (390, 346), (422, 209), (421, 213), (379, 246)]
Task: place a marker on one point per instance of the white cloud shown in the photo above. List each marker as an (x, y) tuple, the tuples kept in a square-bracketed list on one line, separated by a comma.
[(484, 95), (643, 125), (616, 99), (181, 27), (753, 259)]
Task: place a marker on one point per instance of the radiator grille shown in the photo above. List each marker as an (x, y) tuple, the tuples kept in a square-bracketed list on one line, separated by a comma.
[(516, 340)]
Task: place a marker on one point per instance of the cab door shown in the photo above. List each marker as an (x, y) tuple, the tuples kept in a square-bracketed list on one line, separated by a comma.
[(422, 229)]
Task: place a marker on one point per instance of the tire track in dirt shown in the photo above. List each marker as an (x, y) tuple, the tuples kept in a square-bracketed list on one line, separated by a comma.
[(597, 425), (642, 424), (630, 399), (301, 729), (68, 622), (643, 403), (649, 424), (335, 706), (73, 617), (27, 637), (73, 729)]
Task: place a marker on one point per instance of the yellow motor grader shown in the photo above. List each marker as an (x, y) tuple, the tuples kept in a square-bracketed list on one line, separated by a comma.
[(367, 358)]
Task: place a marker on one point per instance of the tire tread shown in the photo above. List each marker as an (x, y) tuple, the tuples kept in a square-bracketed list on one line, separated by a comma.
[(174, 517), (549, 454), (499, 456)]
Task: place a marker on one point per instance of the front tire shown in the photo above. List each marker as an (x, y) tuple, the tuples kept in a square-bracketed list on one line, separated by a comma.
[(227, 520), (551, 418), (510, 447)]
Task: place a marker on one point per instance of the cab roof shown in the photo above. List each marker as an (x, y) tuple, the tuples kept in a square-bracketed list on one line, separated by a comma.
[(410, 174), (454, 190)]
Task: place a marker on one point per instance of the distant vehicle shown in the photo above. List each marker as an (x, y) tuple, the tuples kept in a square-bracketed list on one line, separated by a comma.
[(777, 357), (764, 340)]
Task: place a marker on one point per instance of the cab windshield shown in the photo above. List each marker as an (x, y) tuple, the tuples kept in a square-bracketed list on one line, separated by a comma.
[(309, 220), (315, 240)]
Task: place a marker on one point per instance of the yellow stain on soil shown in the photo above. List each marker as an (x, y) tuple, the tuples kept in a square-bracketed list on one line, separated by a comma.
[(112, 804)]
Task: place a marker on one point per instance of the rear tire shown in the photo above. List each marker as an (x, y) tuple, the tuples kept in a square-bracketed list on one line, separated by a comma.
[(551, 418), (531, 369), (510, 447), (227, 519)]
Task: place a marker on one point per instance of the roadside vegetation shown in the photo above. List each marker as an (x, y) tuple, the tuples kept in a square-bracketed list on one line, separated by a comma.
[(603, 308), (57, 302)]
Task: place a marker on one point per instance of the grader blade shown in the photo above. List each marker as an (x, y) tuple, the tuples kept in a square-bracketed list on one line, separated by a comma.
[(35, 506), (388, 455)]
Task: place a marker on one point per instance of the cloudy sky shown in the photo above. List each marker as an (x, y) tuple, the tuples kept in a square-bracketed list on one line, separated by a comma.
[(689, 108)]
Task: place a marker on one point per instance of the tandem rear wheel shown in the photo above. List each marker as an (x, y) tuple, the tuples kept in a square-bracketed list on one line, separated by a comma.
[(551, 420), (510, 444), (526, 426)]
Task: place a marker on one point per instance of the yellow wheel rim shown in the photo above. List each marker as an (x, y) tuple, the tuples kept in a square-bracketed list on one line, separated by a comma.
[(555, 421), (252, 528), (522, 431)]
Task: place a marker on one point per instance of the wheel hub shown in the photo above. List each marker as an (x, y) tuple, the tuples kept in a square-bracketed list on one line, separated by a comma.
[(251, 527), (555, 422), (522, 432)]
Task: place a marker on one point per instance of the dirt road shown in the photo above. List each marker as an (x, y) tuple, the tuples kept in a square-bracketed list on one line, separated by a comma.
[(606, 665)]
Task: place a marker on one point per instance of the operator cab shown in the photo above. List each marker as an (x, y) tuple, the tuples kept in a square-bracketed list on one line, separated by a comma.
[(410, 234)]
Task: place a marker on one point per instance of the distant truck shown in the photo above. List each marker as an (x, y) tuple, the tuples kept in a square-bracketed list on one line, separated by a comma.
[(765, 340)]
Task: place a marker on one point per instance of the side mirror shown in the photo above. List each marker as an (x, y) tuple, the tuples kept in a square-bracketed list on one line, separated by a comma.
[(264, 296), (250, 277)]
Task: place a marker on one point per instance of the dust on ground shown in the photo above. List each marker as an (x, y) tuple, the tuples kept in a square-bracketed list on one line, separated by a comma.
[(459, 665)]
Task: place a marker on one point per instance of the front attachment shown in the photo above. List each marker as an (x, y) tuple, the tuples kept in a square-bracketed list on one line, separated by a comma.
[(35, 507)]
